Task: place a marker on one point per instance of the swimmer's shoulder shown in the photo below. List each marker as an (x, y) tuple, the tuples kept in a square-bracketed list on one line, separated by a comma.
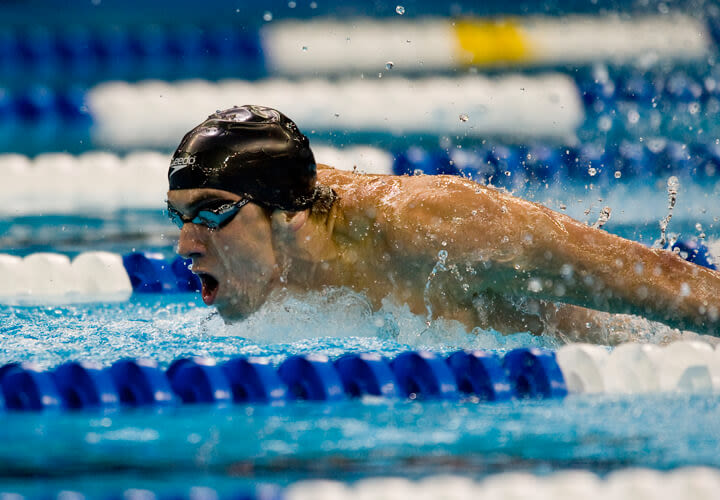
[(438, 187)]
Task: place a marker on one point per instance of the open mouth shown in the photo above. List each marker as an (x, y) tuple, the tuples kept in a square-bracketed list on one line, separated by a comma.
[(210, 287)]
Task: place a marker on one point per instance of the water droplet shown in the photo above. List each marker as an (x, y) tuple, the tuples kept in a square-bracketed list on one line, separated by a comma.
[(313, 5), (267, 16), (389, 65), (444, 243), (592, 171), (673, 185), (464, 117), (604, 123), (618, 174), (209, 131), (292, 4), (603, 217), (442, 255), (684, 290), (400, 9), (535, 285), (304, 48), (563, 206), (566, 271), (379, 75), (474, 212)]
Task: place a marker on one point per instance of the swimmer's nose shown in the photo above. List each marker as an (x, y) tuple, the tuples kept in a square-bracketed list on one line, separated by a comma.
[(191, 244)]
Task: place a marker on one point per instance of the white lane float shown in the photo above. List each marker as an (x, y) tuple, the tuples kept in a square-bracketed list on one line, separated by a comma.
[(634, 483)]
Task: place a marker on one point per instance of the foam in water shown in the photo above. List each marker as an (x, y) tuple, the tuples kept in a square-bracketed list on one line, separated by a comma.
[(340, 313)]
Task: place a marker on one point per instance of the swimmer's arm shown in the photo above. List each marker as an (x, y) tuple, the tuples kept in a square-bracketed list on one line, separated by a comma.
[(524, 249)]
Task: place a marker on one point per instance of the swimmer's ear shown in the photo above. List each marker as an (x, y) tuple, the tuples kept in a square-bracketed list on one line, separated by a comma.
[(289, 221)]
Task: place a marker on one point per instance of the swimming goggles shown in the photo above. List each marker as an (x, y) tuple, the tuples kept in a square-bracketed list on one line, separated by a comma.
[(213, 218)]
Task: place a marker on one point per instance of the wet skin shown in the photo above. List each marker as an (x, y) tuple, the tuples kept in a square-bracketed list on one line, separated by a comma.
[(511, 265)]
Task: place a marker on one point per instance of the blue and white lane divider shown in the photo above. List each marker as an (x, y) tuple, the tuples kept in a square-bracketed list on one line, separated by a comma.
[(632, 368), (106, 276), (330, 46), (521, 373), (696, 483), (626, 103), (63, 183)]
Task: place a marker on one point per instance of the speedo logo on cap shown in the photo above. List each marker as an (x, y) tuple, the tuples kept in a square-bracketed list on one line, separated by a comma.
[(181, 162)]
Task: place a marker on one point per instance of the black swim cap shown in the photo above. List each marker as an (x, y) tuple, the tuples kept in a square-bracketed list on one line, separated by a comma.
[(253, 151)]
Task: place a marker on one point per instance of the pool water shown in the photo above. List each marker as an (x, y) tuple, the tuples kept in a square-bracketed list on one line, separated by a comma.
[(222, 447), (244, 445)]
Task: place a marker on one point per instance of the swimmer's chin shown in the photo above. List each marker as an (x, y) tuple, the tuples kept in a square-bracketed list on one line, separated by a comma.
[(230, 315), (235, 313)]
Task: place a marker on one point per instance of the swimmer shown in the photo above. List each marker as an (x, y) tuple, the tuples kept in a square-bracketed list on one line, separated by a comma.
[(258, 215)]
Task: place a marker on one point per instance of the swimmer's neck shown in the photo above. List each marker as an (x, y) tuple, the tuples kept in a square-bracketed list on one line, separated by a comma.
[(309, 253)]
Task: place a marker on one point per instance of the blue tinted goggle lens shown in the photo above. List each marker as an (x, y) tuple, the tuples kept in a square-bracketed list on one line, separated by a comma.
[(213, 218)]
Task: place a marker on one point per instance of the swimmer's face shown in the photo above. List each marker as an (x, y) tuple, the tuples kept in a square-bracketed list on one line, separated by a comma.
[(236, 263)]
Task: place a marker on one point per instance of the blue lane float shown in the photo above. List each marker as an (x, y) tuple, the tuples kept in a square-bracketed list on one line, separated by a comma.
[(26, 387), (480, 373), (367, 374), (312, 377), (4, 369), (150, 273), (185, 280), (120, 52), (694, 251), (425, 375), (534, 373), (259, 492), (254, 380), (84, 385), (141, 383), (200, 380), (600, 163)]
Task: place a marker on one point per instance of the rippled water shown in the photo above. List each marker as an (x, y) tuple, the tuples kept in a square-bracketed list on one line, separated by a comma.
[(218, 446), (224, 447)]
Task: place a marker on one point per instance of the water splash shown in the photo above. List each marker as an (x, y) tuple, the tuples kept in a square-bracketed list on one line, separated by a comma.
[(438, 268), (603, 217), (673, 185), (400, 10)]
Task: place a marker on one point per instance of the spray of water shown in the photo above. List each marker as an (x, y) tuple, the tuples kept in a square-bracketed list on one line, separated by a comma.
[(438, 268), (673, 184), (602, 218)]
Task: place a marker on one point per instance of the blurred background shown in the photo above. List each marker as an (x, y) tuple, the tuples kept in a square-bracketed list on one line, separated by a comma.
[(580, 105)]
